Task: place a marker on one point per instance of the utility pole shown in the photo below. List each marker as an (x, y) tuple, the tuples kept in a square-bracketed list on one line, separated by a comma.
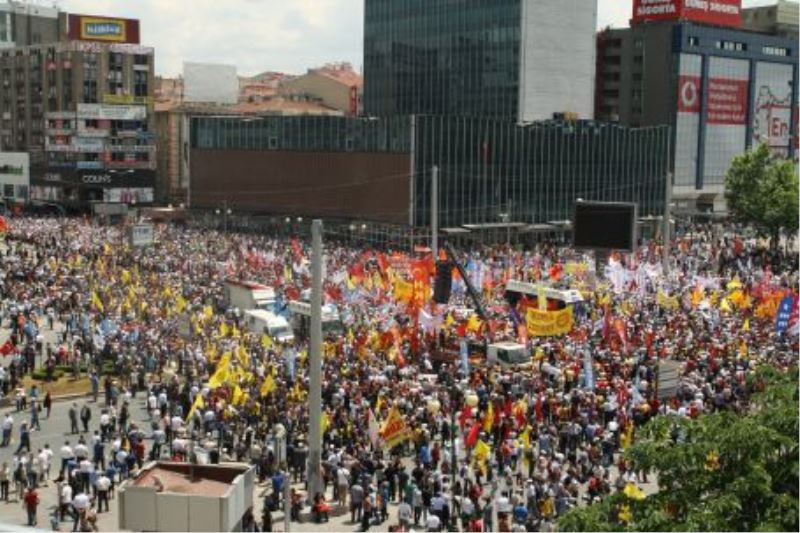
[(315, 366), (435, 212), (666, 231)]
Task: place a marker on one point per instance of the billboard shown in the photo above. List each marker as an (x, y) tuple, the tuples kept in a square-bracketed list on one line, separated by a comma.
[(112, 112), (718, 12), (210, 83), (141, 234), (772, 106), (687, 120), (102, 29), (726, 116), (604, 226)]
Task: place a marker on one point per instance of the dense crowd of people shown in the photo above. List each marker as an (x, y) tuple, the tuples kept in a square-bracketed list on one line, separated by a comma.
[(483, 447)]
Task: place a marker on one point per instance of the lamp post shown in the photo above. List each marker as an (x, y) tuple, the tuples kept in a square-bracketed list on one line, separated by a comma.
[(225, 212)]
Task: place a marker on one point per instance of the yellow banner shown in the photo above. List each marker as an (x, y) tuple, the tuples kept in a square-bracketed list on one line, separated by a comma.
[(666, 301), (548, 323), (394, 430)]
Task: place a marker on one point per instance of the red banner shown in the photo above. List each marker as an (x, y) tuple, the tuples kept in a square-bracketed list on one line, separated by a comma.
[(727, 101), (719, 12)]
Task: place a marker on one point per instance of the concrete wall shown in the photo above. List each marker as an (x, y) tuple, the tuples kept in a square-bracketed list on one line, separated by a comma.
[(557, 58)]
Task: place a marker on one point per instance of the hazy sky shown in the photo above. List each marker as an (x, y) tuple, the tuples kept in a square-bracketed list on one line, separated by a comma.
[(259, 35)]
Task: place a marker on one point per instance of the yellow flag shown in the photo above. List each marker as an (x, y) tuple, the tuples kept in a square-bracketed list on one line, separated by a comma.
[(97, 302), (746, 325), (223, 329), (697, 296), (268, 386), (208, 312), (448, 320), (199, 403), (241, 355), (266, 342), (237, 396), (235, 332), (473, 324), (724, 305), (488, 420), (180, 304), (324, 422), (125, 276)]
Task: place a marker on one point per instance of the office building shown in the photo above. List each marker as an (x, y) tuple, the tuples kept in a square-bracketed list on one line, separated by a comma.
[(80, 105), (27, 24), (721, 89), (492, 171), (520, 60)]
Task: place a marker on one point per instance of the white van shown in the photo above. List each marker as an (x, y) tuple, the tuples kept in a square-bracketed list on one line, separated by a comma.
[(259, 321)]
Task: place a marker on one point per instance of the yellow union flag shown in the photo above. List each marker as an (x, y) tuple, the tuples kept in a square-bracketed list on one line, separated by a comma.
[(548, 323), (394, 430), (666, 301)]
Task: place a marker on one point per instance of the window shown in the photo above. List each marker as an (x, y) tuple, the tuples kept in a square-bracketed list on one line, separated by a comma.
[(775, 51), (140, 83), (8, 190), (731, 46), (694, 41), (140, 59), (638, 44), (90, 92)]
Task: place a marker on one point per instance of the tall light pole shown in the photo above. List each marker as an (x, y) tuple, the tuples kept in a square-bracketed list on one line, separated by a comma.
[(315, 366), (666, 230), (435, 212)]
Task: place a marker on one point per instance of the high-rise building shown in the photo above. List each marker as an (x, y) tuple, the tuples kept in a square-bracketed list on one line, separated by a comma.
[(522, 60), (77, 96), (721, 88)]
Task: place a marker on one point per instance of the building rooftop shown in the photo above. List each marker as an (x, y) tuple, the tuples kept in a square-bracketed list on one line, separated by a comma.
[(181, 478)]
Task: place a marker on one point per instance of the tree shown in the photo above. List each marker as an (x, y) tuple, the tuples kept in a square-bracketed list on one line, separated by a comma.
[(725, 471), (763, 190)]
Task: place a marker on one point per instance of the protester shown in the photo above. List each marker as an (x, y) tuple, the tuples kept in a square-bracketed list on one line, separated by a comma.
[(533, 440)]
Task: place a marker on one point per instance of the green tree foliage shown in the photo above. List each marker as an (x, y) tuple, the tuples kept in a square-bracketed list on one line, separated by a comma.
[(720, 472), (763, 190)]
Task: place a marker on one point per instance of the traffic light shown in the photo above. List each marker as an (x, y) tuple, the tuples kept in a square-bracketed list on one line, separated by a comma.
[(443, 282)]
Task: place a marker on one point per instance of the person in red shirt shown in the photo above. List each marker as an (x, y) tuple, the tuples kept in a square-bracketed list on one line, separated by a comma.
[(31, 502)]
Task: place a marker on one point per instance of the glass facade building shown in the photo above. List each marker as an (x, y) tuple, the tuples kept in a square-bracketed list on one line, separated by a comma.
[(308, 133), (493, 170), (442, 57)]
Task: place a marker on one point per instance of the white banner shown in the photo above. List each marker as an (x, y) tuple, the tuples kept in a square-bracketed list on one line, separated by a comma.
[(112, 112)]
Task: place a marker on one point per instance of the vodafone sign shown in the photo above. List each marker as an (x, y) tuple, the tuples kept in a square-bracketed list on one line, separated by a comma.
[(727, 99), (689, 94), (719, 12)]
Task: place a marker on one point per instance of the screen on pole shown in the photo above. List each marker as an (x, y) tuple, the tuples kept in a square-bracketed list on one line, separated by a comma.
[(604, 226)]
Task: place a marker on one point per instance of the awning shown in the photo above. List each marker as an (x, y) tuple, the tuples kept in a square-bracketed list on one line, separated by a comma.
[(454, 231), (494, 225)]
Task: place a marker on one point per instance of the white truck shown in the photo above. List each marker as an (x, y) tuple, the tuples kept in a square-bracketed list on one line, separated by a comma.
[(246, 295), (259, 321), (508, 354), (301, 318)]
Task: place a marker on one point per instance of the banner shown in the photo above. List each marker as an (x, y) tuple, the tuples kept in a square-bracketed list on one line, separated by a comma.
[(785, 309), (666, 301), (394, 430), (548, 323)]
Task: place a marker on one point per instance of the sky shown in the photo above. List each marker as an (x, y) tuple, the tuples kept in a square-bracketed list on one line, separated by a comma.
[(260, 35)]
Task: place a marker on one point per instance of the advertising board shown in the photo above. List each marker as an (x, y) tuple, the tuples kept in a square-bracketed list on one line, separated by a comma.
[(141, 234), (604, 226), (103, 29), (772, 103), (209, 82), (717, 12), (112, 112)]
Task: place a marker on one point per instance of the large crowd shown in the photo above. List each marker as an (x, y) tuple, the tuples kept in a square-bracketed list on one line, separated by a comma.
[(485, 447)]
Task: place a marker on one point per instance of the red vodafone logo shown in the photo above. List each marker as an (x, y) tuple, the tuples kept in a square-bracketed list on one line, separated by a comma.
[(689, 94)]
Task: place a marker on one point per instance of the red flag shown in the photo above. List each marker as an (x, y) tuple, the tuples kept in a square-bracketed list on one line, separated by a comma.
[(298, 251), (472, 436), (8, 348), (466, 414)]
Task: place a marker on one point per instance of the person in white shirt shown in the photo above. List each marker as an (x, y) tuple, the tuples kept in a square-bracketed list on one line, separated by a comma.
[(404, 514), (80, 503), (46, 458), (152, 405), (65, 499), (66, 454), (343, 485), (102, 485), (8, 426), (81, 450)]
